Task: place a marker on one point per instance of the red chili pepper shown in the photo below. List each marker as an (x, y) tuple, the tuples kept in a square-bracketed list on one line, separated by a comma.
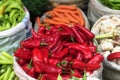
[(62, 54), (23, 53), (34, 34), (76, 73), (91, 67), (72, 52), (31, 72), (50, 76), (69, 58), (31, 43), (51, 69), (79, 56), (37, 57), (92, 48), (45, 54), (77, 64), (53, 61), (84, 30), (43, 77), (112, 56), (56, 39), (96, 59), (78, 37), (65, 77), (21, 62), (87, 53)]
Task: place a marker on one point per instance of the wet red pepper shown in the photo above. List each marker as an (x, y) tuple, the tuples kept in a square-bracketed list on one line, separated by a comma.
[(34, 34), (47, 68), (23, 53), (96, 59), (112, 56), (62, 54), (92, 48), (79, 56), (37, 57)]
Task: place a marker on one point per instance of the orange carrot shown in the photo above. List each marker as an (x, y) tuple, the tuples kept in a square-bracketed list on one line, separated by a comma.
[(62, 10), (38, 21), (50, 13), (61, 20), (66, 7), (57, 14), (70, 18), (50, 21), (81, 20)]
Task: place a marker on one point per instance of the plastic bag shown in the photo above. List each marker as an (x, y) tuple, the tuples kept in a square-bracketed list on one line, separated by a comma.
[(10, 39), (97, 10), (111, 70), (97, 75)]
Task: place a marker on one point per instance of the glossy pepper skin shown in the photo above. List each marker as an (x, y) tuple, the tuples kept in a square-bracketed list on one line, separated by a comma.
[(37, 57), (96, 59), (112, 56), (23, 53)]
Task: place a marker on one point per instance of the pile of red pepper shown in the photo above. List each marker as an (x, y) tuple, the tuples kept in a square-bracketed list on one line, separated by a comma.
[(64, 50)]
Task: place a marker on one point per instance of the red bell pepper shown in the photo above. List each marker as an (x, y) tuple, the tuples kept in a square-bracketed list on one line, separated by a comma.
[(96, 59), (62, 54), (23, 53), (37, 57), (112, 56)]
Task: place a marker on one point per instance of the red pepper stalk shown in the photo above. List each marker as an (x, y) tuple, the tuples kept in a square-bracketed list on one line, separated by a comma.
[(29, 69)]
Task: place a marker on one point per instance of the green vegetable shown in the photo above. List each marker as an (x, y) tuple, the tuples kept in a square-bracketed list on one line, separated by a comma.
[(84, 76), (113, 4), (12, 76), (59, 77), (8, 72)]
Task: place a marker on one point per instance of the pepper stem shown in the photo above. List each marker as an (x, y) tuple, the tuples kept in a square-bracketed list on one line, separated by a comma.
[(43, 44), (30, 64)]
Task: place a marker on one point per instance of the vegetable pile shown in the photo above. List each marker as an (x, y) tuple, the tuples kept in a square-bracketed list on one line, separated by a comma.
[(64, 14), (6, 67), (62, 50), (11, 13), (109, 37), (113, 4)]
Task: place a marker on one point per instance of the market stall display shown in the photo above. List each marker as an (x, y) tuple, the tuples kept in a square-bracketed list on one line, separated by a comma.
[(98, 8), (58, 50), (107, 31), (6, 67), (14, 24)]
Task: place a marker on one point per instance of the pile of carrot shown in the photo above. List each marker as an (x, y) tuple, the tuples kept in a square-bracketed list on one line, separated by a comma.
[(64, 14)]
